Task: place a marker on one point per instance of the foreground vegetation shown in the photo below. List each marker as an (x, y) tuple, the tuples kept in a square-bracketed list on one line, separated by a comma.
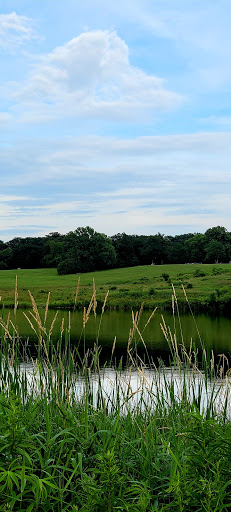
[(207, 286), (77, 437)]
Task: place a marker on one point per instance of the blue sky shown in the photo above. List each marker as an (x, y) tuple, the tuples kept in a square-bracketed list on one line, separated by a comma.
[(115, 115)]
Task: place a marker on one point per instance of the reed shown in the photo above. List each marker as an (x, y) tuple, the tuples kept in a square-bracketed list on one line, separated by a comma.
[(79, 437)]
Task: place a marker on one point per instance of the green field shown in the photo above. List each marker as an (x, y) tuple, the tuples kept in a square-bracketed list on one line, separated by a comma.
[(207, 286)]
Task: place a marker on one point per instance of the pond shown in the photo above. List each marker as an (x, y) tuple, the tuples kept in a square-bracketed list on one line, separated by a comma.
[(214, 331)]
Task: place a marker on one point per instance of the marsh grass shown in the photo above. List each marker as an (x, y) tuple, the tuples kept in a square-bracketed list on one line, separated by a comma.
[(79, 437)]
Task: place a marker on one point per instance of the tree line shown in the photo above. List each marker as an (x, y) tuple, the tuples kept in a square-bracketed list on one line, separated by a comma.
[(85, 250)]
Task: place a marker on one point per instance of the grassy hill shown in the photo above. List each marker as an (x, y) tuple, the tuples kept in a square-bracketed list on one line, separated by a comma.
[(207, 286)]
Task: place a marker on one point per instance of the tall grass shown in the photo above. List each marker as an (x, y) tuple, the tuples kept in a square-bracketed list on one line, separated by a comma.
[(76, 436)]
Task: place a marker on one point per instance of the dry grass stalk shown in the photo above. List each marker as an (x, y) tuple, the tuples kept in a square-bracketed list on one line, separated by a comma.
[(46, 308), (173, 305), (15, 328), (105, 301), (212, 362), (163, 325), (43, 329), (76, 293), (87, 314), (6, 329), (137, 329), (176, 346), (53, 323), (37, 316), (5, 326), (94, 298), (62, 328), (84, 317), (140, 313), (149, 319), (16, 295), (113, 346), (29, 321), (134, 318)]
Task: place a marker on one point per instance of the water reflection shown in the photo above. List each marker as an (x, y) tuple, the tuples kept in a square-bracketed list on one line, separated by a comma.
[(134, 388), (214, 331)]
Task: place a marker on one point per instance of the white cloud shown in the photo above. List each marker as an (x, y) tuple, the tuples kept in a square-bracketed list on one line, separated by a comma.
[(15, 30), (90, 77), (170, 184)]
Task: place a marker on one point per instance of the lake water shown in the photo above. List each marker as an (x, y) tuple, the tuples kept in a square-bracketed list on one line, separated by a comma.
[(215, 331)]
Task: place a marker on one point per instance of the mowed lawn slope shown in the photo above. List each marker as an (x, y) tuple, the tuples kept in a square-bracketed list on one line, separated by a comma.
[(205, 285)]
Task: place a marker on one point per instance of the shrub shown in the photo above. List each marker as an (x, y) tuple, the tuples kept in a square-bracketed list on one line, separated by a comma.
[(217, 270), (199, 273)]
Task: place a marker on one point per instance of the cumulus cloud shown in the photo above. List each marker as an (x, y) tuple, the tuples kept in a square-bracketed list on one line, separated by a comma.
[(91, 76), (15, 30)]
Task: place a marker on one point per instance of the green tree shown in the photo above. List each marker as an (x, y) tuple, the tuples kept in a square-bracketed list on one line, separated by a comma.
[(155, 249), (124, 246), (85, 250), (220, 250), (215, 252), (196, 248)]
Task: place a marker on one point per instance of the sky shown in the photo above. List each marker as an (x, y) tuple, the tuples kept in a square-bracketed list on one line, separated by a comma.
[(114, 115)]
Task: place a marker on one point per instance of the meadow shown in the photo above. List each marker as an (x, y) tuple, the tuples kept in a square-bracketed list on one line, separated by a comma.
[(76, 436), (207, 286)]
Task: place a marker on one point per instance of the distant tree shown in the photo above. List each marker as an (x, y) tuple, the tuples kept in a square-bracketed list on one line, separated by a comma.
[(215, 252), (178, 248), (218, 233), (221, 250), (5, 257), (124, 246), (85, 250), (54, 249), (196, 248), (26, 252), (155, 249)]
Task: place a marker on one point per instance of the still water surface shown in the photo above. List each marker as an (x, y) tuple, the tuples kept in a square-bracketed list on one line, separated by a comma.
[(215, 331)]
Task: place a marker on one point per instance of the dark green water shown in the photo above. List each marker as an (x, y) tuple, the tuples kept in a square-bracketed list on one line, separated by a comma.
[(215, 331)]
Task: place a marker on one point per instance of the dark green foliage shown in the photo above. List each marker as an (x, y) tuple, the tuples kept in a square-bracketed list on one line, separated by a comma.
[(217, 271), (85, 250), (165, 276), (199, 273)]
